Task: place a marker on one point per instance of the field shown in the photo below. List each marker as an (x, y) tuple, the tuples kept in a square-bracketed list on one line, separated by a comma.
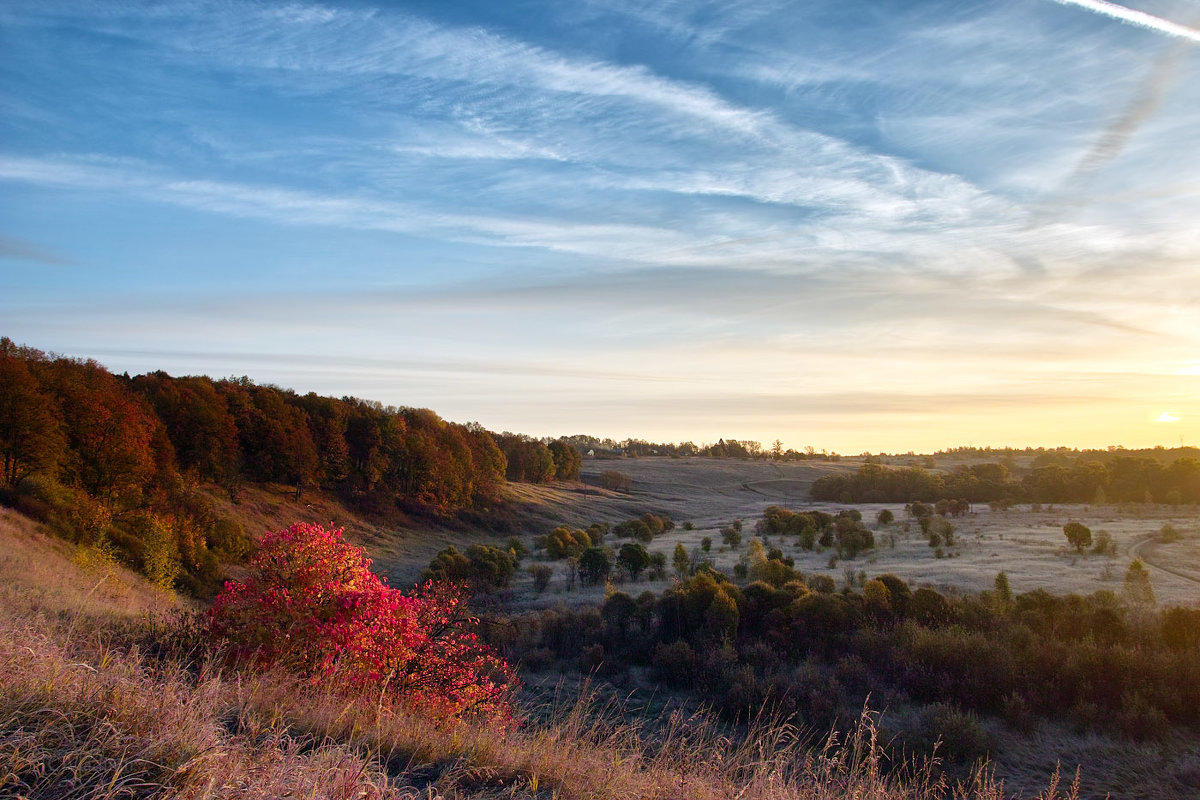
[(47, 579), (1027, 544)]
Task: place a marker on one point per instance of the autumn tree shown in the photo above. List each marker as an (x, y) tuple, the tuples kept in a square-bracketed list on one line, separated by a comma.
[(117, 443), (311, 604), (564, 542), (567, 461), (527, 459), (681, 561), (197, 421), (31, 437)]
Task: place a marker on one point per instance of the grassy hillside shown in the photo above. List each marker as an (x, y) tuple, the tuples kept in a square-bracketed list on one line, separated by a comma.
[(107, 692)]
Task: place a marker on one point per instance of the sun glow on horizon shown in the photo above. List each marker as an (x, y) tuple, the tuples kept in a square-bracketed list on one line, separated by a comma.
[(1168, 416)]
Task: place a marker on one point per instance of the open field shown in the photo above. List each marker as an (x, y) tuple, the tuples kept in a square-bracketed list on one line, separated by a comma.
[(1028, 545), (711, 493)]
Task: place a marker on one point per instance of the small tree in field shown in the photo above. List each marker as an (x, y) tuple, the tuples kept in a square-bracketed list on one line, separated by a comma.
[(1137, 584), (633, 558), (311, 604), (1078, 534), (681, 561)]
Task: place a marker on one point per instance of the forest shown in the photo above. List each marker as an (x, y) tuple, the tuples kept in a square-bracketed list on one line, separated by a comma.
[(118, 461)]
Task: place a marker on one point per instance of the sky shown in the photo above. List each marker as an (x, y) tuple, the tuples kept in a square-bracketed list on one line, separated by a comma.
[(857, 226)]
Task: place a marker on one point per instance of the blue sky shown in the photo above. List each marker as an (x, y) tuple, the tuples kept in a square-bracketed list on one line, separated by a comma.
[(855, 225)]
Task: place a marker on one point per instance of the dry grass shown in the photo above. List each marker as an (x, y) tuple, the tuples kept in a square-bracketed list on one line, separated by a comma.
[(91, 708), (45, 576), (87, 720), (108, 726)]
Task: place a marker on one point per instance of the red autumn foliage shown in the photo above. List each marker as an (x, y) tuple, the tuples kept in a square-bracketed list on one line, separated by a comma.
[(312, 605)]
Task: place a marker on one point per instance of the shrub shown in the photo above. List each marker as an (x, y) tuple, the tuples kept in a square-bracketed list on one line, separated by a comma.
[(483, 568), (311, 604), (674, 663), (731, 536), (615, 481), (822, 583), (962, 738), (541, 574), (564, 542), (637, 529), (1104, 546)]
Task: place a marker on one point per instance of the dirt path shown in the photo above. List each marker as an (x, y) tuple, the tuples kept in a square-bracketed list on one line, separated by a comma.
[(1145, 547)]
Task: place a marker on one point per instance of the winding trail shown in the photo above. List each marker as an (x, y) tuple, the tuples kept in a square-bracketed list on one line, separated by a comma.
[(1145, 547)]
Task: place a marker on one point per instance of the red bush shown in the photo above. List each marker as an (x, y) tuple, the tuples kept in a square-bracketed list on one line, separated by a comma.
[(312, 605)]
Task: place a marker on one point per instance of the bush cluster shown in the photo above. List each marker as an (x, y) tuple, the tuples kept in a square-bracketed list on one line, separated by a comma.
[(311, 604), (792, 641)]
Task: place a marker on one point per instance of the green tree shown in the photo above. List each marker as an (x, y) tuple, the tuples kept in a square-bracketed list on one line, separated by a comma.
[(721, 616), (1003, 590), (680, 561), (1078, 534), (594, 566), (633, 558)]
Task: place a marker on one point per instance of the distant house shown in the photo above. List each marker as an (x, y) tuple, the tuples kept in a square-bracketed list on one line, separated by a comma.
[(591, 453)]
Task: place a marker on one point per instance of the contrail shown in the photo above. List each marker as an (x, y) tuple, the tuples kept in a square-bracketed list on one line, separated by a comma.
[(1146, 100), (1139, 18)]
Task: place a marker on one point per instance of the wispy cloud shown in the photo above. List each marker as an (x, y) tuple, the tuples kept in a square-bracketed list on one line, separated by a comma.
[(15, 247), (1139, 18), (626, 205)]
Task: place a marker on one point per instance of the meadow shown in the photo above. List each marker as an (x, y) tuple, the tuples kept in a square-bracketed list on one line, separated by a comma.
[(1027, 544)]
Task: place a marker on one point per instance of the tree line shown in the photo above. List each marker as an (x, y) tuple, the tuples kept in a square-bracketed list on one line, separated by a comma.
[(1120, 478)]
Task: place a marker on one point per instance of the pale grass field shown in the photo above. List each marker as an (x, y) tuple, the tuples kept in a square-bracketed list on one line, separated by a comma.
[(1029, 546)]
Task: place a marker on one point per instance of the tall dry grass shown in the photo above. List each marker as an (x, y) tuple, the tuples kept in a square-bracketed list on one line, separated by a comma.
[(64, 583), (94, 721)]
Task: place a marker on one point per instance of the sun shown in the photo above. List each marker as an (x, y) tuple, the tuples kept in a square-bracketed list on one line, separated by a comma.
[(1168, 416)]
